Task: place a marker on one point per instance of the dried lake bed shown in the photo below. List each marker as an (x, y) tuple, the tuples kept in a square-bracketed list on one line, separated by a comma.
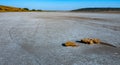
[(36, 38)]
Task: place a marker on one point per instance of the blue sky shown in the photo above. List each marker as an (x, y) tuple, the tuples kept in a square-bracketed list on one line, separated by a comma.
[(60, 4)]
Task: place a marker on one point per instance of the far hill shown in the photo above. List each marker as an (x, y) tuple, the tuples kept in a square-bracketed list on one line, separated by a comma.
[(15, 9), (97, 10), (10, 9)]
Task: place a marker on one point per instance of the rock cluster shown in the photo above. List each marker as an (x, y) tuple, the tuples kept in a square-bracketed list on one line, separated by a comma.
[(85, 40), (91, 41)]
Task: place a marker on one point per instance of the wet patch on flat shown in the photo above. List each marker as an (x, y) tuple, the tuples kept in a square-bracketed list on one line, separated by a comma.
[(102, 50), (85, 18), (73, 17)]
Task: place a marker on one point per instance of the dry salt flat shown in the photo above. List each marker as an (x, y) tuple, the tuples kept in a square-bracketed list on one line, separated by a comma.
[(36, 38)]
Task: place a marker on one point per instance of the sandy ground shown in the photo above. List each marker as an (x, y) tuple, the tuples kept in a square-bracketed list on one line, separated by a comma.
[(31, 38)]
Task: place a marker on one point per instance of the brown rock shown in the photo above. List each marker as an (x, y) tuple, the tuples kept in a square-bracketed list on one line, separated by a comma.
[(70, 43), (96, 41)]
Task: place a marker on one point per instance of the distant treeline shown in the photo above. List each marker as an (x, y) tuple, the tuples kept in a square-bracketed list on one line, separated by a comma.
[(96, 9), (15, 9)]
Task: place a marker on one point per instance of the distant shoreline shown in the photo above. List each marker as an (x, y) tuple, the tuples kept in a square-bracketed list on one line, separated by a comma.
[(82, 10), (98, 10)]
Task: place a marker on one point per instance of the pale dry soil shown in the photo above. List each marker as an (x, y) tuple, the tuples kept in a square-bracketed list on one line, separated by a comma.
[(36, 38)]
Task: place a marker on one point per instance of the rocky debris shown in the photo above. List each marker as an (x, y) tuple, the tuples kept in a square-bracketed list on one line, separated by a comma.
[(95, 41), (91, 41), (87, 41)]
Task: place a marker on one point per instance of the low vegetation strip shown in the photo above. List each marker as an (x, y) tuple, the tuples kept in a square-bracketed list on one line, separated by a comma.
[(97, 10), (15, 9)]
